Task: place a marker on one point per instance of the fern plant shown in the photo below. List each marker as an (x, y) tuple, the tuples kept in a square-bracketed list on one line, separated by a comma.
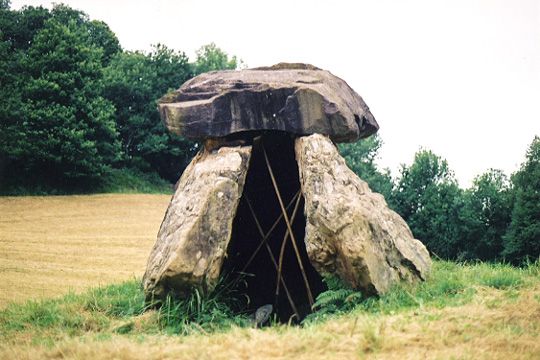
[(339, 298)]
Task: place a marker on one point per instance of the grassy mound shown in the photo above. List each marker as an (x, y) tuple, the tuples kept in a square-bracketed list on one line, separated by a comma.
[(121, 308), (117, 314)]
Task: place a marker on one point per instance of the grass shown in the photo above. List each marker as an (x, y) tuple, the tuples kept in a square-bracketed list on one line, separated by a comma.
[(126, 181), (59, 251), (52, 245), (118, 181), (118, 309), (118, 314), (449, 284)]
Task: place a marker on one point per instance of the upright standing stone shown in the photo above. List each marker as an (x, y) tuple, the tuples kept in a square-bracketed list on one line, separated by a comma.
[(350, 231), (193, 238)]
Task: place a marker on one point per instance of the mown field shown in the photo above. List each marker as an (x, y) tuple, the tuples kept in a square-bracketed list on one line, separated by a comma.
[(56, 244), (463, 311)]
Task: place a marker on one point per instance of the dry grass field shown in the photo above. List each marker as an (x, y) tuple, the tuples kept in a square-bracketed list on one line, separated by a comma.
[(55, 244)]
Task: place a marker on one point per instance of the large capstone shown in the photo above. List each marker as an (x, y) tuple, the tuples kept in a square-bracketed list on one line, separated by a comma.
[(193, 238), (297, 98), (350, 230)]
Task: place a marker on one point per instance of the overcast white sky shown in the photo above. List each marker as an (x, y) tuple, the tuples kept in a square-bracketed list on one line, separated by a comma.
[(459, 77)]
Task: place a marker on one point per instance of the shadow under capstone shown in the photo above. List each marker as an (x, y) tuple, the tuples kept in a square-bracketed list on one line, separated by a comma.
[(259, 276)]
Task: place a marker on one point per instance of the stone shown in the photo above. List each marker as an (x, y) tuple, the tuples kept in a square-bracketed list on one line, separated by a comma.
[(194, 235), (350, 231), (297, 98)]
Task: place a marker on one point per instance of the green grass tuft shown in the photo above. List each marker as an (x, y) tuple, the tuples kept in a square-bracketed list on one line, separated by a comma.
[(501, 277), (118, 301), (219, 310), (198, 314)]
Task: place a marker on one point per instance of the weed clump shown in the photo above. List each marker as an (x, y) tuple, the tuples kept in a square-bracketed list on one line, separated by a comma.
[(219, 310)]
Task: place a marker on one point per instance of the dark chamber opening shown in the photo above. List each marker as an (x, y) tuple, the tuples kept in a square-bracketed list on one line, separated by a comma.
[(260, 284)]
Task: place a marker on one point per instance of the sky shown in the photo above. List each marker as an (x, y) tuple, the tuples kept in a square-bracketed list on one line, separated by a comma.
[(458, 77)]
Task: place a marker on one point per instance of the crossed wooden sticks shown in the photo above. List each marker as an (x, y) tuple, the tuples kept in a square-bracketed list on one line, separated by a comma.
[(288, 233)]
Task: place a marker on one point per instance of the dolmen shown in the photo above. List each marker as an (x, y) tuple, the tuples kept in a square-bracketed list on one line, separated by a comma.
[(268, 146)]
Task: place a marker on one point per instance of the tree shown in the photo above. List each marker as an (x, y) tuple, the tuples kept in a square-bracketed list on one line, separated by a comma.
[(134, 83), (17, 29), (100, 35), (485, 216), (64, 133), (522, 241), (428, 198), (210, 57), (360, 157)]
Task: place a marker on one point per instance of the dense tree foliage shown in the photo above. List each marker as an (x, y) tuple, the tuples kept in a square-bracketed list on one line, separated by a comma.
[(57, 123), (134, 82), (522, 241), (485, 216), (428, 198)]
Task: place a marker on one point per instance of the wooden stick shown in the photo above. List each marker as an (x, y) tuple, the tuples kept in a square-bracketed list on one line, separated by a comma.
[(284, 242), (268, 233), (289, 297), (285, 216)]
